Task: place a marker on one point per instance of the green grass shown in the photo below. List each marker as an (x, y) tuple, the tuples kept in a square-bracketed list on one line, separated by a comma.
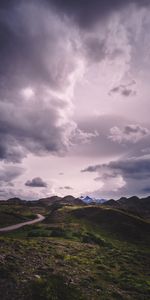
[(13, 215), (53, 288), (76, 255)]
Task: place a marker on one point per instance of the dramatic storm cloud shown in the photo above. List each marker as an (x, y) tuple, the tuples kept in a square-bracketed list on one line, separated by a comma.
[(74, 92), (130, 168), (39, 66), (123, 176), (85, 13)]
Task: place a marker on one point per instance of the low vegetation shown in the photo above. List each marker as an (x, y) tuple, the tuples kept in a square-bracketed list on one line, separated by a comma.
[(76, 253), (10, 215)]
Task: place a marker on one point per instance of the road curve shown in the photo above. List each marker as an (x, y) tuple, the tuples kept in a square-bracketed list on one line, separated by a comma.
[(16, 226)]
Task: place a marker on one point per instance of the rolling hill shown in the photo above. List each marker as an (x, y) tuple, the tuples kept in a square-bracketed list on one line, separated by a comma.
[(79, 252)]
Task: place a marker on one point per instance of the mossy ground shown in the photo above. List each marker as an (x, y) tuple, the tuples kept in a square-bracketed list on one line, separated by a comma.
[(72, 258)]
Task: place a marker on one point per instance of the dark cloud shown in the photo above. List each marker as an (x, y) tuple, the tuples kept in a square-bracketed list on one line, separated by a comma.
[(10, 173), (36, 72), (6, 3), (133, 168), (128, 92), (86, 13), (94, 49), (61, 173), (36, 182), (123, 177), (66, 188), (91, 169), (137, 168), (125, 90), (31, 129), (146, 190), (40, 59), (9, 149)]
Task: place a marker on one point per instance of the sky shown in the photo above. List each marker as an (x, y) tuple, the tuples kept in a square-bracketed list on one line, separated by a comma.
[(74, 98)]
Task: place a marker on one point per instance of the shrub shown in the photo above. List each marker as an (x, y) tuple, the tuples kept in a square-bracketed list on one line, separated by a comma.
[(54, 288)]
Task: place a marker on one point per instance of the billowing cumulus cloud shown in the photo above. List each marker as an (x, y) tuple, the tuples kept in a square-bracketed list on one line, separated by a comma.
[(36, 182), (126, 177), (129, 134)]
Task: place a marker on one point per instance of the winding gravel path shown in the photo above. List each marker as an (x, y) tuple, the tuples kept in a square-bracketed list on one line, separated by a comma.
[(16, 226)]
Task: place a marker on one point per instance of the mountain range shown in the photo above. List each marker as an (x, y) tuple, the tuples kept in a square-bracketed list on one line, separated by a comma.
[(133, 205)]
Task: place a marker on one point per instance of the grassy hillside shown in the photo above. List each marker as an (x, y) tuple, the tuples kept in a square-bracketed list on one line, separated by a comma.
[(117, 223), (77, 253), (13, 214)]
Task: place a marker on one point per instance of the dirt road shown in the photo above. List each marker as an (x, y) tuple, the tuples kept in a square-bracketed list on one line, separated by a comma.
[(16, 226)]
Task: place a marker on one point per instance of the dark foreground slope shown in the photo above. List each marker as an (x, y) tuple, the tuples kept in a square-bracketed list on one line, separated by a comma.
[(117, 223), (77, 253)]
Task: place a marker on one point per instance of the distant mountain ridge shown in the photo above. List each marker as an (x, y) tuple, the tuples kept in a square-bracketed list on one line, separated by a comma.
[(134, 205), (69, 199), (89, 200)]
